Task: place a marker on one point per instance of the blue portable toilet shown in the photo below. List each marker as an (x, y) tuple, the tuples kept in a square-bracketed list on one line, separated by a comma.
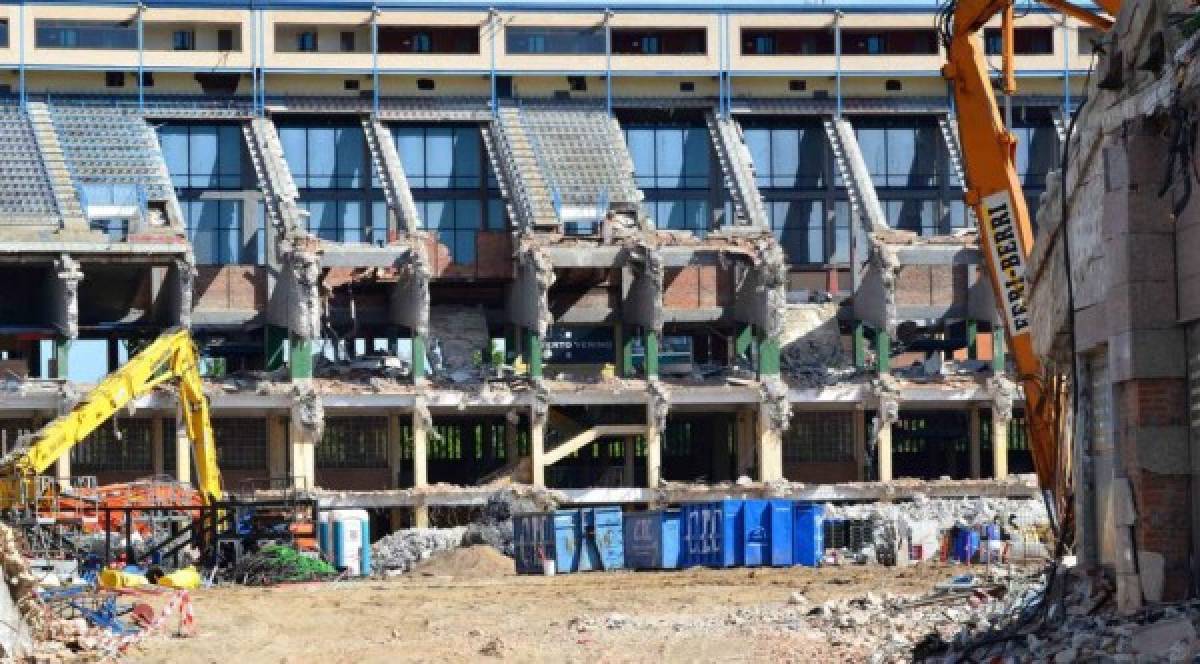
[(966, 544), (652, 539), (712, 533), (809, 534), (766, 533)]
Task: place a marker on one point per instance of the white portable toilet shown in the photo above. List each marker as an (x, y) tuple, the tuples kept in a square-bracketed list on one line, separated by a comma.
[(352, 541)]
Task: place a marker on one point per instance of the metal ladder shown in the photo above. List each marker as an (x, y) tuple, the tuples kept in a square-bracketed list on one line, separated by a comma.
[(737, 170), (860, 190), (390, 170)]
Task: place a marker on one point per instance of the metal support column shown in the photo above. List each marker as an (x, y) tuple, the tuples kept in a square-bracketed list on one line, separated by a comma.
[(837, 58), (375, 62)]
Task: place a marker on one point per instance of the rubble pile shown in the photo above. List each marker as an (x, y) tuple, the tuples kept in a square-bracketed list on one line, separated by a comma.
[(948, 512), (404, 549), (494, 525), (35, 632)]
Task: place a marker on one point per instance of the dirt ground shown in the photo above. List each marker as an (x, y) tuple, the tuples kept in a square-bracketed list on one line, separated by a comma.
[(676, 616)]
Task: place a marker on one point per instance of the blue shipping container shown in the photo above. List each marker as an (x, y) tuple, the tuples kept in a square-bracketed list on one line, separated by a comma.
[(712, 533), (809, 535), (767, 533), (652, 539), (577, 540)]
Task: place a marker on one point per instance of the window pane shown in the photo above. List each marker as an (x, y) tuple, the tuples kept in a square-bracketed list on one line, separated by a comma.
[(202, 160), (173, 140), (785, 157), (668, 148), (295, 152), (322, 157)]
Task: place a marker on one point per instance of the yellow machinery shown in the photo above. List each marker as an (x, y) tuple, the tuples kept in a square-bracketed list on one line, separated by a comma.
[(172, 356), (994, 192)]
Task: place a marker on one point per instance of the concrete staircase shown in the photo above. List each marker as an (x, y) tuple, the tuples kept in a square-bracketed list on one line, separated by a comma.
[(530, 194), (737, 169), (66, 196), (848, 159), (390, 170), (949, 131), (280, 195)]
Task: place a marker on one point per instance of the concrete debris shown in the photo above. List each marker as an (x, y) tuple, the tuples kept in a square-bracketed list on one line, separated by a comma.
[(308, 411), (659, 402), (462, 333), (773, 393), (884, 261), (811, 340), (773, 279), (532, 257), (494, 525), (66, 289), (304, 310), (948, 513), (1004, 393), (425, 418), (404, 549), (649, 274)]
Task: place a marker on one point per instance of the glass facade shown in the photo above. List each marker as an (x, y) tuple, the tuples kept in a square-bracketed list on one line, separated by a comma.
[(449, 175), (207, 165), (672, 165), (51, 33), (538, 40), (329, 162)]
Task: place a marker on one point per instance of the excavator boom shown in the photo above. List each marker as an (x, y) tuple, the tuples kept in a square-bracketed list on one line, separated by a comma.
[(171, 356), (994, 191)]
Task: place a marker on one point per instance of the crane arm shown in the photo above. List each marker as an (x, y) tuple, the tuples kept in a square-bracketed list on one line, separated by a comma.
[(994, 191), (172, 355)]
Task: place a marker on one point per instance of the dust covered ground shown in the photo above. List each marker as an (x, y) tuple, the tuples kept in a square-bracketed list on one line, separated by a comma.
[(476, 609)]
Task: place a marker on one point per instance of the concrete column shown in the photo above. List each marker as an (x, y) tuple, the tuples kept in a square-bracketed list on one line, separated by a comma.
[(537, 448), (860, 345), (860, 444), (972, 339), (1000, 443), (511, 453), (534, 344), (303, 468), (300, 359), (277, 447), (769, 449), (998, 348), (275, 342), (156, 445), (183, 450), (884, 449), (628, 471), (883, 351), (744, 439), (62, 467), (420, 459), (651, 338), (973, 442), (653, 447)]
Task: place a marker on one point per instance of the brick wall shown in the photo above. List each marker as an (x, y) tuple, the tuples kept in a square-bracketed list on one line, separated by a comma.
[(219, 287), (696, 286), (1151, 412)]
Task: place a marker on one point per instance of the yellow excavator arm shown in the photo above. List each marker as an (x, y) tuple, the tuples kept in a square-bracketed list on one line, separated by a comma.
[(172, 356), (994, 192)]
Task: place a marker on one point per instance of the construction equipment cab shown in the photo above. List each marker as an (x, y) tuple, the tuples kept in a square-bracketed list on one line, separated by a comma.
[(994, 193), (171, 357)]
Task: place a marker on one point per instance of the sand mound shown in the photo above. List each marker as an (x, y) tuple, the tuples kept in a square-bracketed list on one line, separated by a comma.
[(471, 562)]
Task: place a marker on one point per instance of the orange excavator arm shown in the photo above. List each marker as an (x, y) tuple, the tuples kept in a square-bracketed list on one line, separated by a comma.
[(994, 192)]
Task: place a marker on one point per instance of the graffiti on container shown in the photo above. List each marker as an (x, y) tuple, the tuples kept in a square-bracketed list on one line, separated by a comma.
[(704, 528)]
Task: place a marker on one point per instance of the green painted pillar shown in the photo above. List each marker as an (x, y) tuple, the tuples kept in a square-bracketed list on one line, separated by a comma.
[(860, 345), (418, 357), (301, 364), (275, 341), (998, 348), (883, 351), (768, 356), (625, 352), (62, 349), (972, 340), (744, 342), (534, 344), (651, 353)]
